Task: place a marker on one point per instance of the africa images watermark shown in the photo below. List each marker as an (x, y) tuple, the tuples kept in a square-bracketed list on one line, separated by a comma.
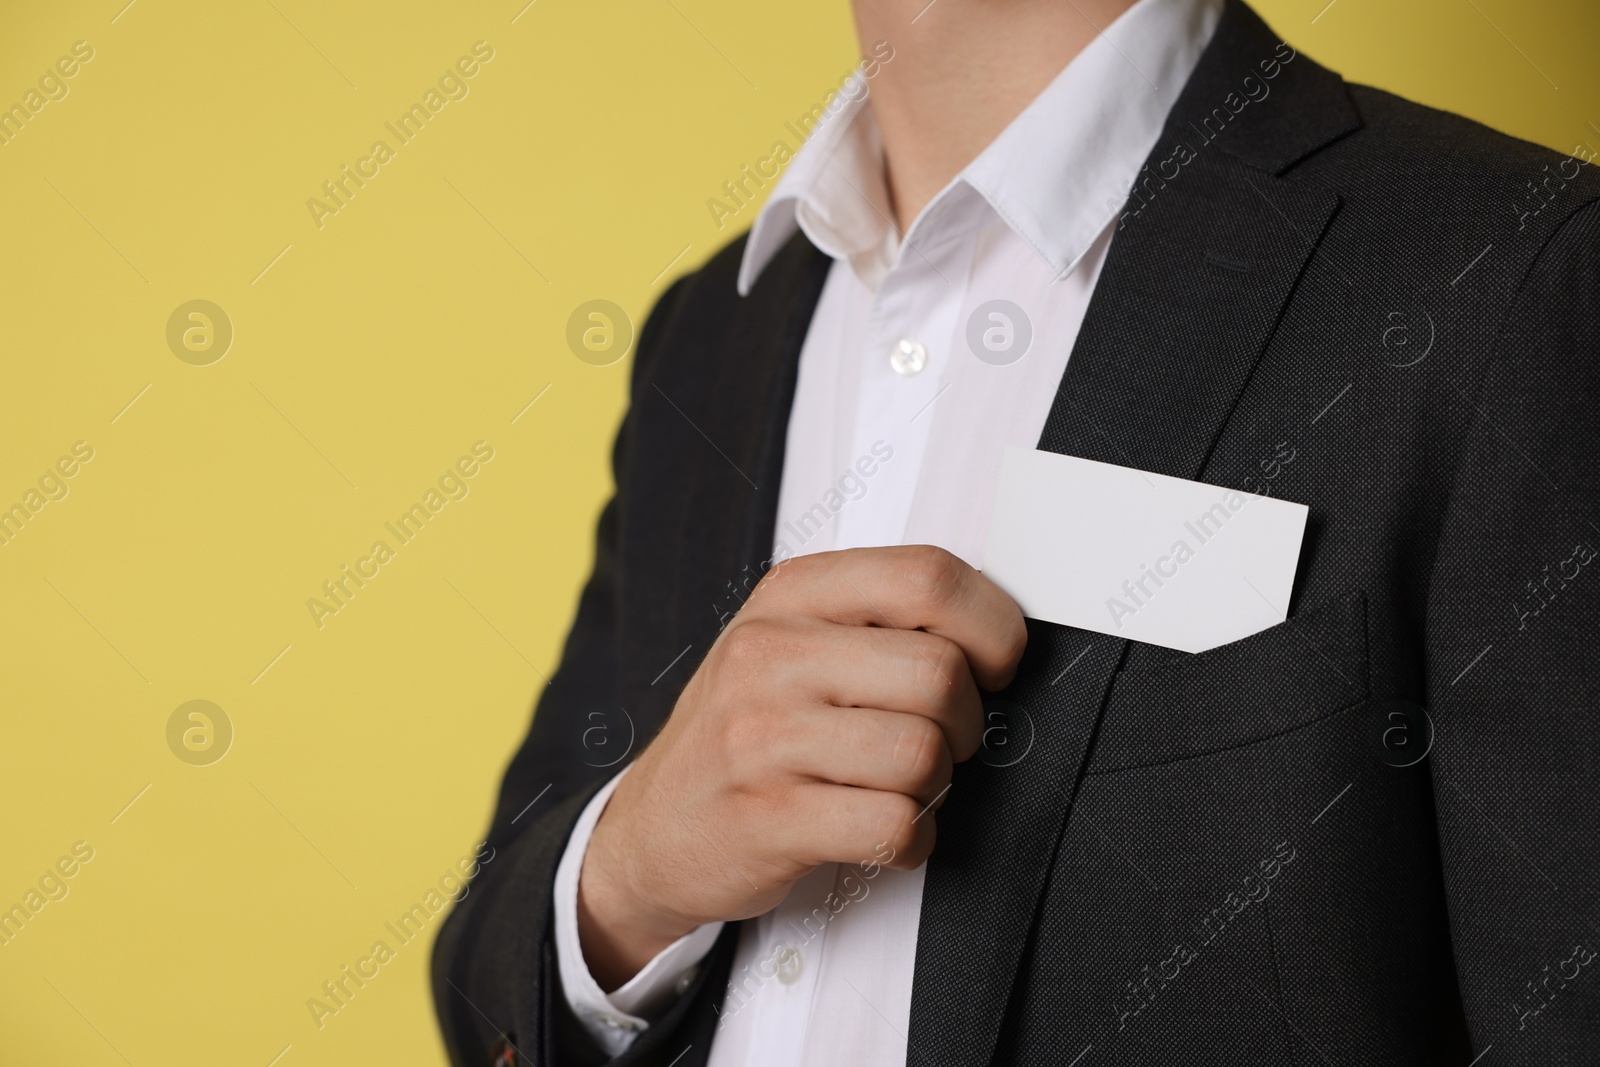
[(452, 85), (452, 485), (1209, 522), (1254, 90), (52, 87), (1540, 595), (852, 87), (851, 485), (52, 886), (1539, 995), (53, 485), (1139, 995), (854, 880), (451, 886), (1534, 199), (1204, 528)]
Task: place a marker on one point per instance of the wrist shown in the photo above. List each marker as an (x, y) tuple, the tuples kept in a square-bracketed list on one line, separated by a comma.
[(619, 930)]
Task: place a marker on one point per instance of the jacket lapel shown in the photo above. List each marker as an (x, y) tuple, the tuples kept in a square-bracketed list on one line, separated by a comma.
[(705, 536), (1190, 293)]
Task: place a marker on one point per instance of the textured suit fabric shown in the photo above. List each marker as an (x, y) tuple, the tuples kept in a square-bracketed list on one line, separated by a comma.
[(1335, 296)]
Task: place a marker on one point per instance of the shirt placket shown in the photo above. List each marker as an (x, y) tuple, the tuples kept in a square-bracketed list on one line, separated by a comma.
[(902, 362), (793, 939)]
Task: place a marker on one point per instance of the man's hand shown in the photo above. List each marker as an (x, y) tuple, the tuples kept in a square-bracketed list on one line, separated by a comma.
[(822, 724)]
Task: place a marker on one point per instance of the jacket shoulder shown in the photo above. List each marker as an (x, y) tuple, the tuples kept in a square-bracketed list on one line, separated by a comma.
[(1442, 151)]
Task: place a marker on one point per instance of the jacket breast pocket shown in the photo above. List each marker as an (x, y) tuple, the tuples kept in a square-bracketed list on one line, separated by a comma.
[(1164, 708)]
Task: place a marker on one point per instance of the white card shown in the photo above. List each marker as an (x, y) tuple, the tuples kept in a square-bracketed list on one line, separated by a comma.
[(1144, 556)]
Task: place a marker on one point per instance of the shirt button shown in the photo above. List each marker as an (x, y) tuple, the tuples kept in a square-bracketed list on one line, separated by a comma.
[(614, 1023), (790, 964), (685, 980), (908, 357)]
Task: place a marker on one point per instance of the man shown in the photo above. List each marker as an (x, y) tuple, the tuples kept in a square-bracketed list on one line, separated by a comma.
[(1232, 267)]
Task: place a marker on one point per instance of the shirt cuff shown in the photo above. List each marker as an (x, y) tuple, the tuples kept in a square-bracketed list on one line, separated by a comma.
[(615, 1021)]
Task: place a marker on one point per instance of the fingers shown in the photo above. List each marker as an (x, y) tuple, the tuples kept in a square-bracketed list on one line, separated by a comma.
[(841, 824), (874, 667), (911, 587), (884, 750)]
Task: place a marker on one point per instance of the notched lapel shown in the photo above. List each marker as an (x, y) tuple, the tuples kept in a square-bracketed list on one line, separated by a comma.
[(1190, 293), (1169, 343)]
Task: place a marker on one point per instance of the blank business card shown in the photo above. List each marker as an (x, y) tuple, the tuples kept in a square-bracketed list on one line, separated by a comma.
[(1145, 556)]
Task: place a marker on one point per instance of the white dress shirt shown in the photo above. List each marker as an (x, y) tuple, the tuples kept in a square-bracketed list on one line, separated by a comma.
[(911, 383)]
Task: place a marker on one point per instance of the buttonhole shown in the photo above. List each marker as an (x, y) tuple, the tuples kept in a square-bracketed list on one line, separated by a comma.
[(1229, 263)]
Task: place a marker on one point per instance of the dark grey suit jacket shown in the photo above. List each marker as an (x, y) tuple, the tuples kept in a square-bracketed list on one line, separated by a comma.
[(1339, 297)]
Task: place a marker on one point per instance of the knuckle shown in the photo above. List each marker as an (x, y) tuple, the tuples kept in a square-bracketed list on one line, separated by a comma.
[(946, 663), (750, 643), (932, 574), (786, 569), (919, 753), (748, 737)]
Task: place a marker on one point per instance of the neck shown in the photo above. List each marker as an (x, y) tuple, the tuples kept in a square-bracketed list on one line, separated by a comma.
[(960, 75)]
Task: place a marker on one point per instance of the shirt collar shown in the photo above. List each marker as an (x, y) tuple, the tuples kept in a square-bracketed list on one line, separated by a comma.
[(834, 190), (1056, 175)]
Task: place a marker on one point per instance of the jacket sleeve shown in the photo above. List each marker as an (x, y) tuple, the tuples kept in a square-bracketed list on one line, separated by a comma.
[(495, 980), (1513, 669)]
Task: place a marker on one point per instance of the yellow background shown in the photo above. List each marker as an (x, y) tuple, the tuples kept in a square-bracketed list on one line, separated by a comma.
[(372, 353)]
